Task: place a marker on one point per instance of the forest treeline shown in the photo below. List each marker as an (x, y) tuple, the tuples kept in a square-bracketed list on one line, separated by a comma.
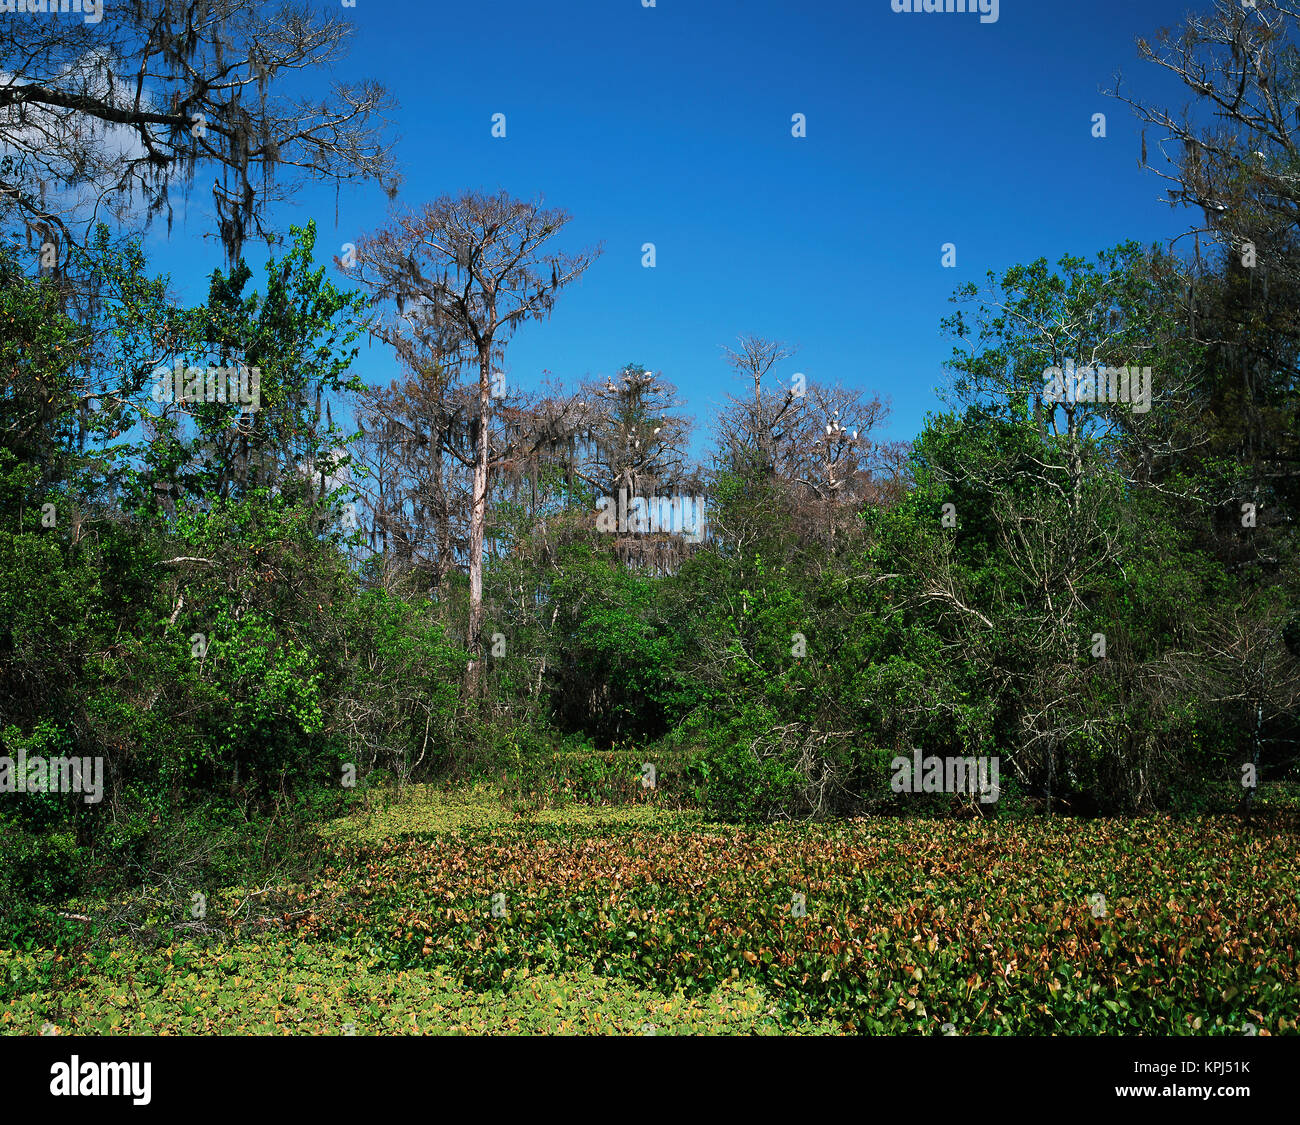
[(230, 605)]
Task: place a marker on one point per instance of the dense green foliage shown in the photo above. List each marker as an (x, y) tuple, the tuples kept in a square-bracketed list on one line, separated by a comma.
[(1096, 599), (444, 913), (181, 597)]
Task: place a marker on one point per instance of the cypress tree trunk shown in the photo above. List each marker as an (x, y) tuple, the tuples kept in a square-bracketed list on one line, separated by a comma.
[(477, 525)]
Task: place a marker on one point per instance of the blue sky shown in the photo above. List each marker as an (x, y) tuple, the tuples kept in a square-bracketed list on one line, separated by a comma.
[(672, 125)]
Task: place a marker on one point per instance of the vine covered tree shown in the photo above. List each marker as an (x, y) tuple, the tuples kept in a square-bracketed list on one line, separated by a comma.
[(105, 116)]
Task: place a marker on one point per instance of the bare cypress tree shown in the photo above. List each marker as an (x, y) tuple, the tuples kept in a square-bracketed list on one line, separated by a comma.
[(1237, 164), (758, 427), (814, 443), (471, 269)]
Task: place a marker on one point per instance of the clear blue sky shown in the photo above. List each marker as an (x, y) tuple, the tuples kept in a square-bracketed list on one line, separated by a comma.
[(672, 125)]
